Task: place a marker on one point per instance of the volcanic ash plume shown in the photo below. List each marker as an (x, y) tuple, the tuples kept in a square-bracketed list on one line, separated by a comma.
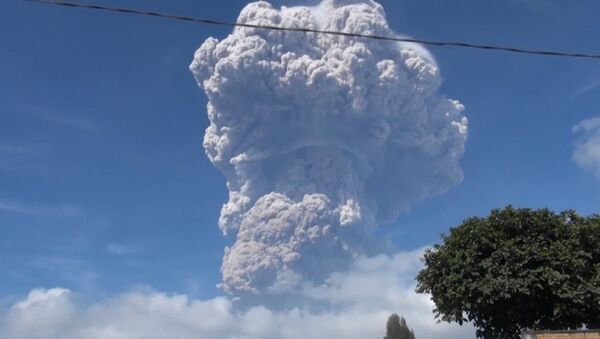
[(321, 138)]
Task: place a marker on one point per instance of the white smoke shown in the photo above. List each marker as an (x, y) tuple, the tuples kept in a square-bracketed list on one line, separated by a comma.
[(320, 138)]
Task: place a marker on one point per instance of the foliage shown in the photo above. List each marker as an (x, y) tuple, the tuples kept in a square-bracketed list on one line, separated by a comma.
[(517, 269), (396, 328)]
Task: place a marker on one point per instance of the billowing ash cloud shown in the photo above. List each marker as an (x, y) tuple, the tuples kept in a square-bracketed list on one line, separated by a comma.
[(321, 138)]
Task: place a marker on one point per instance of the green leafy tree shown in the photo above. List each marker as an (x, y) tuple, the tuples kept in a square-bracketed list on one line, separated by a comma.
[(517, 269), (396, 328)]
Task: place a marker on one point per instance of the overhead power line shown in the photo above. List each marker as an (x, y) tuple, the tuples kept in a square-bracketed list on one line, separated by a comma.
[(310, 30)]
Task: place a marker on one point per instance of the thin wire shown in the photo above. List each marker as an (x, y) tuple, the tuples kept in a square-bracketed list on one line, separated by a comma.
[(310, 30)]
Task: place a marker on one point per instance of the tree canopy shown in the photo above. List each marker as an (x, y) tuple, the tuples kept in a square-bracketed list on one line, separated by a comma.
[(517, 269), (396, 328)]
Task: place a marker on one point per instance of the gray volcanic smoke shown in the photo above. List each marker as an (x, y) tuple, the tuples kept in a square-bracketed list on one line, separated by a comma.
[(320, 138)]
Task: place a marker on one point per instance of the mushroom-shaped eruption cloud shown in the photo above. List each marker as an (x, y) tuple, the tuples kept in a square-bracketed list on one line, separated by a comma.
[(320, 138)]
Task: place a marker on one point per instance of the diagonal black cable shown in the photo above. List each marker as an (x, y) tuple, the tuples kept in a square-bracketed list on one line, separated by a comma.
[(310, 30)]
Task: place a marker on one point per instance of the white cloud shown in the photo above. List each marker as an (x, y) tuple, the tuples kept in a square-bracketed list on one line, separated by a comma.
[(41, 297), (120, 249), (586, 88), (587, 148), (60, 211), (71, 121), (359, 303), (14, 156), (321, 138), (13, 207), (43, 314), (66, 118)]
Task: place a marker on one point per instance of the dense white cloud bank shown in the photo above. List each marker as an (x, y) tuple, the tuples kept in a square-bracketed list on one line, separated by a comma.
[(359, 300), (587, 149), (320, 138)]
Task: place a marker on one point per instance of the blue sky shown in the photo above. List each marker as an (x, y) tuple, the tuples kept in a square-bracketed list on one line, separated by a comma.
[(104, 184)]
